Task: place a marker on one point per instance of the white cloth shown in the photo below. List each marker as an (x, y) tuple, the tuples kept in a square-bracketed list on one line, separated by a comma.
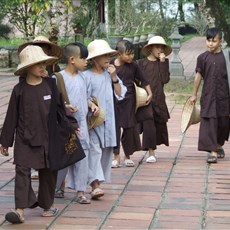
[(76, 89), (100, 86), (103, 137), (99, 160)]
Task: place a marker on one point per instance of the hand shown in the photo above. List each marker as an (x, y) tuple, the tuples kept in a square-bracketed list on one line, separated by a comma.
[(149, 99), (71, 108), (193, 99), (77, 131), (162, 57), (4, 151), (95, 110), (112, 71), (45, 73)]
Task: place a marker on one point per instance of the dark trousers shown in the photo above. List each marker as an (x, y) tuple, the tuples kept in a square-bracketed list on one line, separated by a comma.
[(213, 132), (154, 133), (24, 194), (130, 140)]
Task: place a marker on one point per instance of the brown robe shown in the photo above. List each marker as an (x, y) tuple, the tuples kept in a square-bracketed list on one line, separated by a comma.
[(125, 109), (154, 127), (215, 102)]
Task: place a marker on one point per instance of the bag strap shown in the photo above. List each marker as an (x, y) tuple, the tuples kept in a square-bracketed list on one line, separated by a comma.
[(61, 86), (226, 56)]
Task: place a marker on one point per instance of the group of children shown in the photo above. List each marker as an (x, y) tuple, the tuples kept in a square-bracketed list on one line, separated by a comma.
[(110, 80)]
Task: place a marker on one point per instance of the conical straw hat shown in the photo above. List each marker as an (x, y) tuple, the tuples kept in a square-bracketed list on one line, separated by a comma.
[(141, 96), (190, 115), (156, 40), (56, 50), (99, 47), (32, 55), (94, 121)]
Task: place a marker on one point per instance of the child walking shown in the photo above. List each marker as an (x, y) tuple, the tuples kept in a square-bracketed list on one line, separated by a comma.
[(75, 55), (49, 49), (104, 83), (129, 72), (214, 102), (27, 119), (156, 68)]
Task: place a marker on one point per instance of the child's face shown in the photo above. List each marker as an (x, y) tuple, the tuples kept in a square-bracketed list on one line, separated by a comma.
[(37, 70), (214, 44), (126, 57), (156, 50), (79, 63), (102, 61)]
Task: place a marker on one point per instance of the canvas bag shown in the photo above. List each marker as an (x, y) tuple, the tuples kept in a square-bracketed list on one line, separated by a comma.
[(64, 146)]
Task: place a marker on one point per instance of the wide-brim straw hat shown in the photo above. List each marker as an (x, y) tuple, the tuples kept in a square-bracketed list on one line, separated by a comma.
[(55, 49), (156, 40), (99, 47), (141, 96), (190, 115), (95, 121), (32, 55)]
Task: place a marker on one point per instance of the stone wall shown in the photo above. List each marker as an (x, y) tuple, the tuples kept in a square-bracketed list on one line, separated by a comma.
[(8, 56)]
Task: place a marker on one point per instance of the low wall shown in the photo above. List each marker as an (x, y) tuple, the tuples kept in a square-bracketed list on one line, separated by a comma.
[(8, 56)]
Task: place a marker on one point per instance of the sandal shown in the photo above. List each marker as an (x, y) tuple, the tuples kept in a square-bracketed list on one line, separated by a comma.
[(82, 200), (96, 193), (151, 159), (211, 158), (59, 193), (220, 153), (115, 164), (129, 163), (14, 217), (50, 212)]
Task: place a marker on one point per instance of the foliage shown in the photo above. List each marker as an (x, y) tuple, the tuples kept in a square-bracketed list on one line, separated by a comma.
[(4, 29), (30, 15)]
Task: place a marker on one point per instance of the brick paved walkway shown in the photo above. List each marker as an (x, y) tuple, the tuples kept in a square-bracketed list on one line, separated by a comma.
[(180, 191)]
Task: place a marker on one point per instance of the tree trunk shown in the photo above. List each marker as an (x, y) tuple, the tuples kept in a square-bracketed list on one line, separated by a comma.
[(117, 16), (220, 18), (181, 11)]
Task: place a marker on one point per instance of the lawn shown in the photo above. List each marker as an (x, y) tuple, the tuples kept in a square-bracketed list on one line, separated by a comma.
[(178, 90)]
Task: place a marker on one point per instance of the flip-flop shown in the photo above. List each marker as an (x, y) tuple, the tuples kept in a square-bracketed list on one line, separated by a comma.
[(51, 212), (211, 158), (82, 200), (14, 217), (97, 193), (220, 153), (151, 159), (129, 163)]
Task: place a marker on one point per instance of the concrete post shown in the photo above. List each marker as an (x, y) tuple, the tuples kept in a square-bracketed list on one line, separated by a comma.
[(175, 65)]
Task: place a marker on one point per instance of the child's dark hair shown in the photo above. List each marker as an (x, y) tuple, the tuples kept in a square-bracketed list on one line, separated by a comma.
[(125, 46), (70, 50), (213, 32)]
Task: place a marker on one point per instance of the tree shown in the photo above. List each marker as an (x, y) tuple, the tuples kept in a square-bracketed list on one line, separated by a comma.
[(217, 14), (29, 15)]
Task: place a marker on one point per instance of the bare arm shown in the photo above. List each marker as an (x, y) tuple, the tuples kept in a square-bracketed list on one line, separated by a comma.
[(150, 95), (196, 86)]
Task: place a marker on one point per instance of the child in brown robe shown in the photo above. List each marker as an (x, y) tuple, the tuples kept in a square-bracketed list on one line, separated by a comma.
[(214, 123), (27, 119), (129, 72), (156, 68)]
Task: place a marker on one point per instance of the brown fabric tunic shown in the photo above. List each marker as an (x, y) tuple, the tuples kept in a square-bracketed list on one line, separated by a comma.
[(215, 93), (154, 126), (214, 101), (27, 113), (129, 73)]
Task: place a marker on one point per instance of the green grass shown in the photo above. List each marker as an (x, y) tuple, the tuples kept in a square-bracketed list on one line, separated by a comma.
[(178, 90)]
